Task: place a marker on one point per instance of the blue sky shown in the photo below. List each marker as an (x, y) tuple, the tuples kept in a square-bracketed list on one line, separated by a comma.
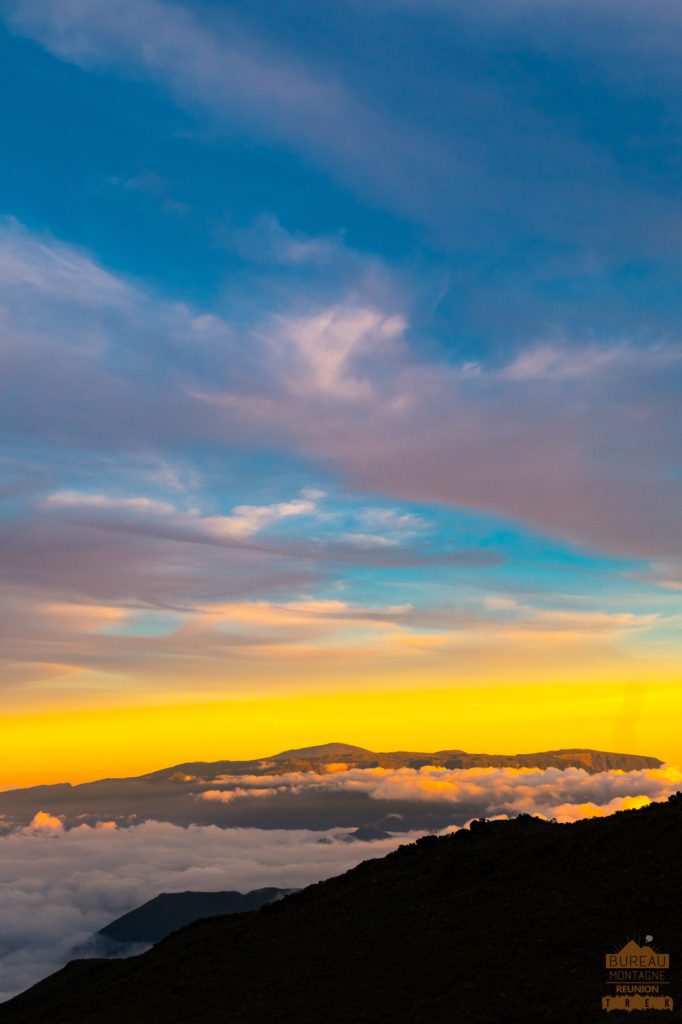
[(367, 312)]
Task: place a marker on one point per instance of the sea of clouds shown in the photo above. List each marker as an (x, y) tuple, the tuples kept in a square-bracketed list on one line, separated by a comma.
[(567, 794), (60, 884)]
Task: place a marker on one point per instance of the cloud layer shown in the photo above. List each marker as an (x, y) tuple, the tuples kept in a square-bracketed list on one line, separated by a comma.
[(103, 555), (577, 441), (400, 799), (565, 794), (57, 888)]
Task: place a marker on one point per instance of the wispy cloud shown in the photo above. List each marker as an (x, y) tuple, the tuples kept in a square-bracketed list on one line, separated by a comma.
[(225, 68), (564, 362), (344, 385), (244, 521), (225, 73), (135, 377), (324, 354), (584, 465), (140, 506), (267, 241)]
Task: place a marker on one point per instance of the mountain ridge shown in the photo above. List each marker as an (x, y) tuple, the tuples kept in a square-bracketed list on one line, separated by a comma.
[(323, 753), (178, 794), (579, 757)]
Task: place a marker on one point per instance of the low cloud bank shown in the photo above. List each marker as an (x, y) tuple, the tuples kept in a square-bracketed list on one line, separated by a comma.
[(60, 884), (58, 887), (395, 799), (565, 794)]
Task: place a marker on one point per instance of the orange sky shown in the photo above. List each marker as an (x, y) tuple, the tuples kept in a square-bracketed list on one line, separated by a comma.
[(80, 745)]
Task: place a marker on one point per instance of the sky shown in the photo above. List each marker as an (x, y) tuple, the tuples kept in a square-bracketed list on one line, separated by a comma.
[(340, 373)]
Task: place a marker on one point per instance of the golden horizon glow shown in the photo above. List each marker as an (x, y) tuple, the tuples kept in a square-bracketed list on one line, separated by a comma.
[(81, 745)]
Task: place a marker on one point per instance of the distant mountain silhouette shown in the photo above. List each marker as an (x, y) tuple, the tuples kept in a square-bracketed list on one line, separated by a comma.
[(506, 923), (174, 794), (323, 752), (169, 911), (316, 758), (367, 834)]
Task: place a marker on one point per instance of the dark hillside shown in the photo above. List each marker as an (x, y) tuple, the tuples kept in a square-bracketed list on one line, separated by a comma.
[(167, 912), (507, 923)]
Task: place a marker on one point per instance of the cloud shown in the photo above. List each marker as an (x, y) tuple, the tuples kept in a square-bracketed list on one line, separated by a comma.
[(566, 794), (224, 796), (389, 525), (429, 147), (59, 273), (169, 627), (550, 362), (579, 443), (322, 354), (243, 522), (75, 499), (43, 822), (51, 637), (249, 519), (267, 241), (632, 46), (663, 574), (83, 346), (131, 381), (241, 528), (426, 797), (58, 887), (233, 77), (60, 884), (575, 812)]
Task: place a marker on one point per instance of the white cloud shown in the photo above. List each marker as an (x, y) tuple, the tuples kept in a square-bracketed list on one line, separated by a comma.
[(343, 385), (565, 362), (58, 887), (80, 499), (393, 519), (244, 520), (369, 540), (386, 526), (323, 354), (547, 362), (59, 272), (567, 794)]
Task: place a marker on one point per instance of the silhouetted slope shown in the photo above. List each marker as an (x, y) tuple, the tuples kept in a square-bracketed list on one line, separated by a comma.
[(168, 911), (505, 924)]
